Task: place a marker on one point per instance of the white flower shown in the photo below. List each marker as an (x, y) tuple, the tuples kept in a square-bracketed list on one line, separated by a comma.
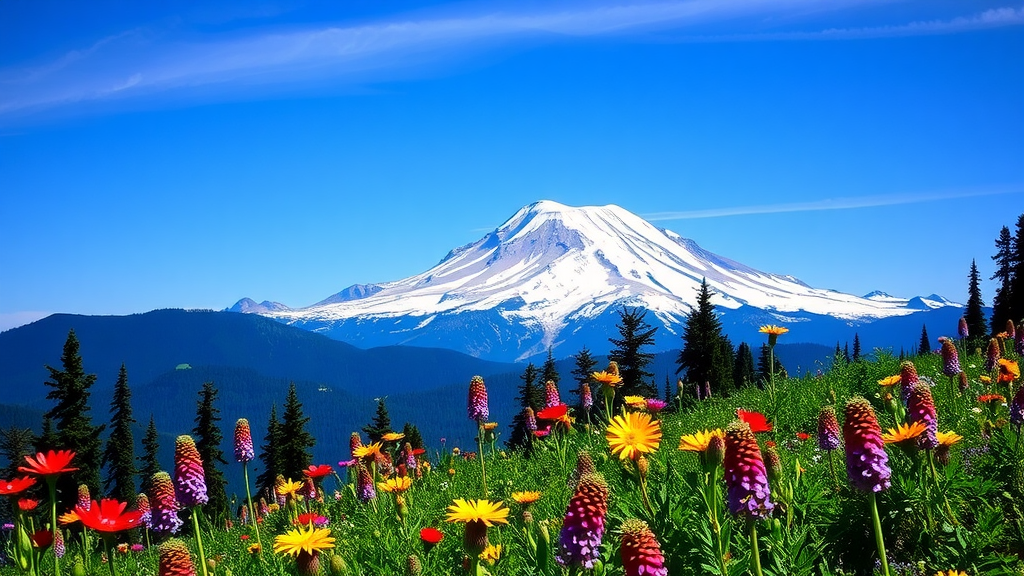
[(976, 410)]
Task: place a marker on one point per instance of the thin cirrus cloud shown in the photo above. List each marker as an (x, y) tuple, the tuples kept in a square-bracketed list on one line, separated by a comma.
[(833, 204), (142, 62)]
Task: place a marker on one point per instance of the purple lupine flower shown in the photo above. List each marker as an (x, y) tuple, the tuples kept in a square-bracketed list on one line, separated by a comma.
[(700, 391), (921, 408), (746, 479), (961, 328), (867, 464), (84, 499), (1017, 408), (551, 397), (586, 398), (58, 544), (950, 358), (477, 404), (410, 458), (1011, 330), (908, 379), (364, 485), (640, 551), (579, 543), (530, 418), (828, 429), (993, 355), (189, 477), (962, 382), (354, 442), (243, 441), (142, 505), (164, 505)]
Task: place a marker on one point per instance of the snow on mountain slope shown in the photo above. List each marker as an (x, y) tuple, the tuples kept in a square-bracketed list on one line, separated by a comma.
[(551, 265)]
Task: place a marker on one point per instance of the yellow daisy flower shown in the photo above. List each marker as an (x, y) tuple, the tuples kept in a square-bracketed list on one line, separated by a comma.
[(526, 497), (635, 401), (307, 540), (491, 554), (634, 434), (889, 381), (903, 432), (490, 425), (607, 378), (951, 573), (985, 379), (396, 484), (948, 438), (367, 452), (772, 330), (392, 436), (289, 487), (490, 513), (698, 441)]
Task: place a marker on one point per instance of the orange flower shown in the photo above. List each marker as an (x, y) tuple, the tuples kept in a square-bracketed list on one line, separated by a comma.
[(49, 464), (903, 432), (27, 504), (68, 518), (1008, 370), (991, 398), (607, 378)]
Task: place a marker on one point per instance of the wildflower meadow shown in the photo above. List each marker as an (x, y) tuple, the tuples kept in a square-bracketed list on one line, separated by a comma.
[(884, 465)]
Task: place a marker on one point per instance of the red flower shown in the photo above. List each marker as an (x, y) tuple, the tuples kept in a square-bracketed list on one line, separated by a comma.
[(542, 433), (558, 412), (26, 504), (318, 471), (244, 537), (42, 539), (431, 535), (49, 464), (12, 487), (991, 398), (802, 435), (418, 451), (108, 516), (757, 421)]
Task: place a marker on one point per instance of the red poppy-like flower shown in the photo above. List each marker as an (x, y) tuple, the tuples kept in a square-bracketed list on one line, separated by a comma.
[(244, 537), (318, 471), (108, 516), (16, 486), (558, 413), (431, 535), (542, 433), (757, 421), (42, 539), (49, 464), (27, 504), (418, 451), (802, 435), (991, 398)]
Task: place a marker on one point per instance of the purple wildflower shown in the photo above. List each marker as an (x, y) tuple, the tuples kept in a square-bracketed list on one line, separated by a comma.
[(551, 397), (867, 464), (477, 404), (189, 477), (921, 408), (243, 441), (828, 429), (164, 505), (746, 479), (579, 543), (950, 358)]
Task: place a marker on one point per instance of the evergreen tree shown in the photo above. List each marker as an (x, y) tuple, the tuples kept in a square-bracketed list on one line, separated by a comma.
[(530, 396), (925, 346), (413, 436), (856, 347), (762, 365), (743, 374), (48, 440), (381, 423), (846, 352), (296, 440), (582, 373), (705, 356), (1002, 301), (668, 392), (1016, 308), (15, 444), (550, 373), (75, 431), (208, 438), (270, 454), (150, 460), (119, 454), (976, 326), (634, 334)]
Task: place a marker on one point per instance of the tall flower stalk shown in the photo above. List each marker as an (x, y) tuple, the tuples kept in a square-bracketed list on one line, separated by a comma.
[(746, 480), (190, 486), (773, 333), (710, 449), (867, 464), (478, 412), (244, 453)]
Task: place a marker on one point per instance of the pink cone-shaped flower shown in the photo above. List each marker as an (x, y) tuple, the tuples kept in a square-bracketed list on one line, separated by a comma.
[(993, 355), (243, 441), (477, 404), (163, 505), (410, 457), (962, 382), (641, 553), (950, 358), (551, 397), (586, 397), (908, 379), (84, 498), (746, 479), (354, 442), (189, 477), (867, 464), (58, 544), (1011, 330), (364, 485), (828, 429), (961, 328), (175, 559), (579, 543), (142, 505), (921, 408), (530, 418)]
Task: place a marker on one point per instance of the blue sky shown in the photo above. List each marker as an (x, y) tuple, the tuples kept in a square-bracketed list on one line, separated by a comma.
[(187, 155)]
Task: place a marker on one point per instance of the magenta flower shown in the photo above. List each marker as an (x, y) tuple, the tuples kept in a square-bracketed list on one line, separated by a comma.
[(477, 404), (579, 543), (243, 441), (189, 477), (551, 397), (641, 553), (142, 505), (655, 405), (921, 408), (586, 398), (950, 358), (828, 429), (531, 419), (58, 544), (84, 499), (746, 479), (908, 379), (164, 505), (867, 464), (962, 328), (993, 355)]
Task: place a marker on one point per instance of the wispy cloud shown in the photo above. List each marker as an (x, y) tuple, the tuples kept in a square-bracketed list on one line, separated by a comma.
[(834, 204), (136, 63)]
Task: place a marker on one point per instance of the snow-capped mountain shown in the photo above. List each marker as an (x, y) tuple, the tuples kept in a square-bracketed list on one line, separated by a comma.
[(552, 271)]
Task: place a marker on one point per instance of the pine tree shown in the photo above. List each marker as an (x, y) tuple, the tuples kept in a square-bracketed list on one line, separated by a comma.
[(743, 374), (270, 454), (668, 392), (150, 460), (976, 327), (634, 334), (1002, 301), (15, 444), (208, 437), (48, 439), (846, 352), (381, 423), (1016, 307), (582, 374), (413, 436), (705, 356), (762, 365), (925, 346), (296, 440), (75, 430), (119, 454), (856, 347), (549, 372), (530, 396)]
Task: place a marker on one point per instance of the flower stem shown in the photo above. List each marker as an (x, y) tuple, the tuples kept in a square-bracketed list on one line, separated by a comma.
[(199, 539), (878, 533), (935, 479), (51, 483), (110, 555), (480, 444), (252, 509), (832, 467), (755, 553)]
